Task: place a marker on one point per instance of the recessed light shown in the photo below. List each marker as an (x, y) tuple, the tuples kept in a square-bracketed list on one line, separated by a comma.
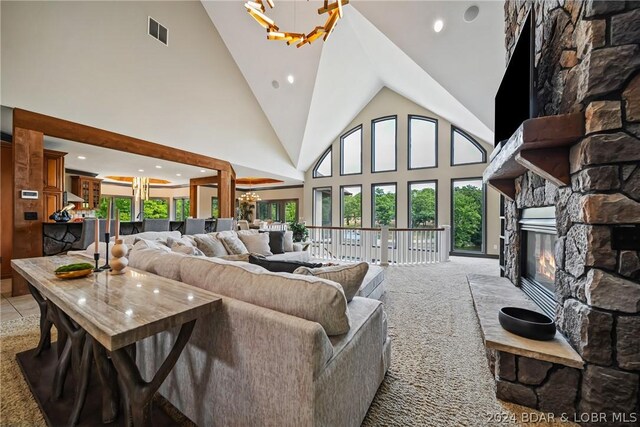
[(178, 174), (140, 170), (471, 13), (438, 26), (81, 157), (158, 167), (202, 170), (290, 78)]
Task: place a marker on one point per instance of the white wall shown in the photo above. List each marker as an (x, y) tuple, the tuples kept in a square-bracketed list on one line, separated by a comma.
[(94, 63), (387, 103)]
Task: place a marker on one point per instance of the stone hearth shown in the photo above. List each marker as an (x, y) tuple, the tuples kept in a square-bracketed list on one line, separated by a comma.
[(588, 60)]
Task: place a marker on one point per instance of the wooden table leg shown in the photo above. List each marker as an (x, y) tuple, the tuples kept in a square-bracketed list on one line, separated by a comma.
[(45, 321), (109, 379), (140, 392)]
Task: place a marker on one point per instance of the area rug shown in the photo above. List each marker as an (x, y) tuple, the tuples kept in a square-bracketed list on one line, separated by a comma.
[(438, 377)]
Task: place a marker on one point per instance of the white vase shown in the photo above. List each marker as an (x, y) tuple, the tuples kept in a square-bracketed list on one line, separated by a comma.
[(119, 261)]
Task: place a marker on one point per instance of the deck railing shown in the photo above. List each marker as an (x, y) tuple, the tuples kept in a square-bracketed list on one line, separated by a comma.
[(384, 246)]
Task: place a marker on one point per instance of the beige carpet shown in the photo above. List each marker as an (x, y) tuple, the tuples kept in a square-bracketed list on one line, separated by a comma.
[(438, 377)]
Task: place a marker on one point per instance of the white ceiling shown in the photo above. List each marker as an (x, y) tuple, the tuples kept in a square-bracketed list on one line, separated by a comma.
[(454, 73)]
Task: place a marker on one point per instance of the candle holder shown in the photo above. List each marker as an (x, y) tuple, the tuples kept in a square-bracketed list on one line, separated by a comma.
[(96, 258), (106, 265)]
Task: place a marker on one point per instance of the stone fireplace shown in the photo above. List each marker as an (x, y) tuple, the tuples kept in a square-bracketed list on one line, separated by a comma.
[(587, 58)]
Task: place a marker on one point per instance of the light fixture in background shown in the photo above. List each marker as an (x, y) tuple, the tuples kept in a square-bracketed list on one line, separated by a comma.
[(158, 167), (140, 187), (178, 174), (202, 170), (256, 9), (82, 157), (249, 196), (290, 78), (140, 170), (438, 25)]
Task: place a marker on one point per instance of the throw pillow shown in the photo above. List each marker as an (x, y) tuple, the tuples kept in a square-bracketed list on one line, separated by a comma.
[(349, 276), (234, 245), (243, 257), (183, 241), (288, 241), (150, 244), (280, 266), (256, 243), (210, 246), (276, 241)]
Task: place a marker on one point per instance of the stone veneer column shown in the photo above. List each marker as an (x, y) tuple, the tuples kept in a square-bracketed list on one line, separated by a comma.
[(588, 59)]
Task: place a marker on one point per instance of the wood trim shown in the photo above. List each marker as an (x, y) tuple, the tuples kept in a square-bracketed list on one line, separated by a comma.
[(28, 168), (225, 196), (506, 187), (549, 163), (59, 128), (204, 180)]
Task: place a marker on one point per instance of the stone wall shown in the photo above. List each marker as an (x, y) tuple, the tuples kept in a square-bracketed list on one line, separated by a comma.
[(588, 60)]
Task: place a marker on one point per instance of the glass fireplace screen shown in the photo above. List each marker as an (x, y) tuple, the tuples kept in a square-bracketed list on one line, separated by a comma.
[(540, 262)]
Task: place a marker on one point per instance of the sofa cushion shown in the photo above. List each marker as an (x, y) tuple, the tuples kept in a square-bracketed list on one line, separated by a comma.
[(349, 276), (156, 261), (234, 257), (256, 243), (234, 245), (276, 266), (150, 244), (183, 241), (276, 241), (307, 297), (288, 241), (150, 235), (209, 245), (187, 250)]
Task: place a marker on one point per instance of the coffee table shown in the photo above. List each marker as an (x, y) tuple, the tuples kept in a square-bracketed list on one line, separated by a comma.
[(100, 318)]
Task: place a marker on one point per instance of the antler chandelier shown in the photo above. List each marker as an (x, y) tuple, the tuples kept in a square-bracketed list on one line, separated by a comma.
[(257, 10)]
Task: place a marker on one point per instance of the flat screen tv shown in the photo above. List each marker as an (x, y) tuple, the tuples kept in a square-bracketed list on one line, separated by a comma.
[(516, 100)]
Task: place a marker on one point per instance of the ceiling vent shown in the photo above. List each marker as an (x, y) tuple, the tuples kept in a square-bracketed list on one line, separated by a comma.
[(158, 31)]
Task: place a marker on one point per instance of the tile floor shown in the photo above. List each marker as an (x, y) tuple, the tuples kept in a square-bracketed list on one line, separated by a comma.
[(16, 307)]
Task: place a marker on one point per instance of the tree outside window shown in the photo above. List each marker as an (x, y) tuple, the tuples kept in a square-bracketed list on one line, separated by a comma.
[(123, 204), (352, 206), (156, 209), (422, 204), (384, 205), (215, 210), (468, 215), (182, 208)]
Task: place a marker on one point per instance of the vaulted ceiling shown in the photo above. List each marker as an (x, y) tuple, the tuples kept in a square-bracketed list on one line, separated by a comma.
[(454, 73)]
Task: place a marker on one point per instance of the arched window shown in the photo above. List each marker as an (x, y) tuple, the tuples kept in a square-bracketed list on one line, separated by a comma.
[(383, 144), (465, 150), (423, 142), (323, 167), (351, 152)]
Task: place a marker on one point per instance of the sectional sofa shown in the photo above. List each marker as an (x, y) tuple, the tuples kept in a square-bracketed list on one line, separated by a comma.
[(284, 349)]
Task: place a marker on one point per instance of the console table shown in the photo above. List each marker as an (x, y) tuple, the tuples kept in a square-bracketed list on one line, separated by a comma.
[(99, 319)]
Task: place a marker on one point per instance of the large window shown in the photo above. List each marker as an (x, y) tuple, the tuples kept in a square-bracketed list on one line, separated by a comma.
[(465, 150), (422, 204), (383, 144), (351, 206), (324, 166), (156, 208), (468, 215), (215, 208), (278, 210), (182, 208), (124, 205), (383, 205), (351, 152), (423, 142), (322, 206)]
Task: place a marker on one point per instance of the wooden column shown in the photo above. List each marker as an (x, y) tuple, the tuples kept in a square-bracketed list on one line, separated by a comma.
[(28, 167), (224, 194), (193, 200)]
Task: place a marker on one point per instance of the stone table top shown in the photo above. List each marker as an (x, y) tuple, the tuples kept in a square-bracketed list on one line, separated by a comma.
[(117, 310), (490, 294)]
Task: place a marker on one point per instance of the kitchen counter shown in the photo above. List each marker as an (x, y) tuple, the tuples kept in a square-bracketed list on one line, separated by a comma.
[(60, 237)]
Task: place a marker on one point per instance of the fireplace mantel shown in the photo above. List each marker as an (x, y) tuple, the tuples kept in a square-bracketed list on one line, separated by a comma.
[(540, 145)]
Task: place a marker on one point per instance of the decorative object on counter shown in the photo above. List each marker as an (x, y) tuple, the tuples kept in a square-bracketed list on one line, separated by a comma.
[(63, 214), (107, 237), (119, 261), (73, 271), (527, 323)]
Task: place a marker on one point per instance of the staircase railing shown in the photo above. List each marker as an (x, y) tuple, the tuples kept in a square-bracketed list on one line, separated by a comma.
[(384, 246)]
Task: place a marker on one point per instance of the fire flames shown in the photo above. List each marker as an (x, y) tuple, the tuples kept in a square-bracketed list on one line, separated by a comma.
[(546, 265)]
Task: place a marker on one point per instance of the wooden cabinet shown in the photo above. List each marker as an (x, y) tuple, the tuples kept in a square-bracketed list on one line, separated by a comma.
[(89, 189), (53, 182)]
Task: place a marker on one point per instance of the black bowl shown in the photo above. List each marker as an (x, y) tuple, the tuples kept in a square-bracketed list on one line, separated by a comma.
[(527, 323)]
